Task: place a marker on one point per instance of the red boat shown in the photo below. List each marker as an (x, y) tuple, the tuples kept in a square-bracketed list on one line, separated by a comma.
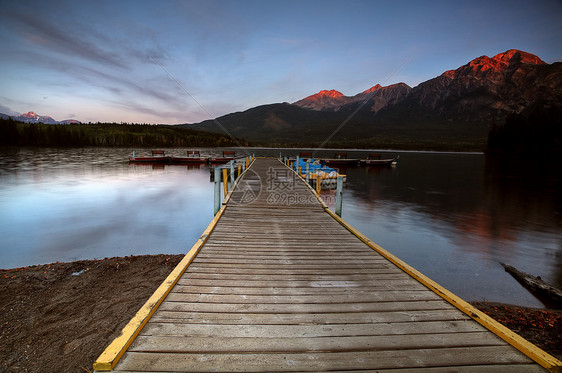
[(227, 156), (158, 156), (193, 156)]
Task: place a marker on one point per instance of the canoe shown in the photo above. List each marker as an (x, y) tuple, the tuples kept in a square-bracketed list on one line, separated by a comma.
[(340, 159), (376, 160)]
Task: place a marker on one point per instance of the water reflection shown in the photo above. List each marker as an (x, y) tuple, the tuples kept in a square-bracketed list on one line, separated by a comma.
[(89, 203), (454, 217)]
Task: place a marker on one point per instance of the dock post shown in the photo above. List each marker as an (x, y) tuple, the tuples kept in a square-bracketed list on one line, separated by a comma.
[(247, 162), (225, 181), (297, 165), (318, 182), (133, 154), (232, 178), (339, 196), (217, 190), (239, 170)]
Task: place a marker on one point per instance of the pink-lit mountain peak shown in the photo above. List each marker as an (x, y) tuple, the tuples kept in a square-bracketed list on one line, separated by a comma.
[(373, 88), (30, 114), (514, 55), (484, 65), (329, 93)]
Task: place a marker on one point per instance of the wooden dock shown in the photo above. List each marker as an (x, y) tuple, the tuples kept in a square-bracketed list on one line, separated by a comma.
[(278, 283)]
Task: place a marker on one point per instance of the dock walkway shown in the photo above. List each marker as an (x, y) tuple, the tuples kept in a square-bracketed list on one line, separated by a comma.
[(282, 285)]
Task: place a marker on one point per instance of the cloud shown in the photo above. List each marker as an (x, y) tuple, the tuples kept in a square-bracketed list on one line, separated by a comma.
[(6, 110), (38, 30)]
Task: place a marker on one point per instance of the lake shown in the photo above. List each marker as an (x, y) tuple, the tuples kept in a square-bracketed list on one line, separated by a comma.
[(454, 217)]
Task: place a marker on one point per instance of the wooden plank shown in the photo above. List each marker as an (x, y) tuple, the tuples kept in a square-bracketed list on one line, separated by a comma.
[(295, 283), (288, 261), (372, 276), (323, 361), (303, 308), (264, 270), (287, 291), (226, 344), (296, 257), (310, 331), (240, 247), (527, 368), (440, 314), (336, 299), (298, 266)]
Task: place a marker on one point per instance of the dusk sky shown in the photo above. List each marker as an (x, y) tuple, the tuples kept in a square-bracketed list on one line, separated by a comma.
[(186, 61)]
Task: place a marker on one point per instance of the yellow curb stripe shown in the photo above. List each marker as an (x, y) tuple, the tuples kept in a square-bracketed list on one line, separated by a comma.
[(538, 355), (109, 358)]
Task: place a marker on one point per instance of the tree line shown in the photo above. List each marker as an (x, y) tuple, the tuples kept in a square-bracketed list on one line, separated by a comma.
[(14, 133), (536, 131)]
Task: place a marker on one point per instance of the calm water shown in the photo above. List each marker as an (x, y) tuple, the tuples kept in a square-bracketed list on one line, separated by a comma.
[(454, 217)]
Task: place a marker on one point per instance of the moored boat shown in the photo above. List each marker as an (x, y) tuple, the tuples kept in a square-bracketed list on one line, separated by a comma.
[(376, 160), (340, 159), (326, 175), (227, 156), (158, 156), (193, 156)]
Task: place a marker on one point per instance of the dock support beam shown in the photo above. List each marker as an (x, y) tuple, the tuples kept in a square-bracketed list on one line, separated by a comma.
[(225, 181), (339, 195), (232, 173), (217, 190)]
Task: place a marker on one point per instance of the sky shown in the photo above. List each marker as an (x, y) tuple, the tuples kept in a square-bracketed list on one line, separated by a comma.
[(186, 61)]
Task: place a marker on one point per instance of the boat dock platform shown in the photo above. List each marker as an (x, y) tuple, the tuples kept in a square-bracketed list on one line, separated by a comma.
[(279, 283)]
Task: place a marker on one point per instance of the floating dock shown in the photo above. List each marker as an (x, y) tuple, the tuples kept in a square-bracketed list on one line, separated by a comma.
[(279, 283)]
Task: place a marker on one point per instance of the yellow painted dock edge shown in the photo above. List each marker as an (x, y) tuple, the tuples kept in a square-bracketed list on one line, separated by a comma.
[(109, 358), (541, 357)]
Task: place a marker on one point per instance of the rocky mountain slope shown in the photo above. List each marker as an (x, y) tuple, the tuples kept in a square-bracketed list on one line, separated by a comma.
[(456, 107)]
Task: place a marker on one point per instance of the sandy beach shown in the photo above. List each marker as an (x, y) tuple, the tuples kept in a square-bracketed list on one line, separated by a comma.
[(59, 317)]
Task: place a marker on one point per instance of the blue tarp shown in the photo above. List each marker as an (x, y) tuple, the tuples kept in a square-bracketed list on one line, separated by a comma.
[(312, 167)]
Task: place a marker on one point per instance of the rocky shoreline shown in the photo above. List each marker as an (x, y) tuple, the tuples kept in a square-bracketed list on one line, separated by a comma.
[(61, 316)]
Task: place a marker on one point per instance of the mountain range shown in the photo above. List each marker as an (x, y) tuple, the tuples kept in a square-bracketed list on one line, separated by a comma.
[(31, 117), (454, 110)]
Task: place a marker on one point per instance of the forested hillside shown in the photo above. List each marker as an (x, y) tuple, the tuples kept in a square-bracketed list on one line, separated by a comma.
[(14, 133)]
